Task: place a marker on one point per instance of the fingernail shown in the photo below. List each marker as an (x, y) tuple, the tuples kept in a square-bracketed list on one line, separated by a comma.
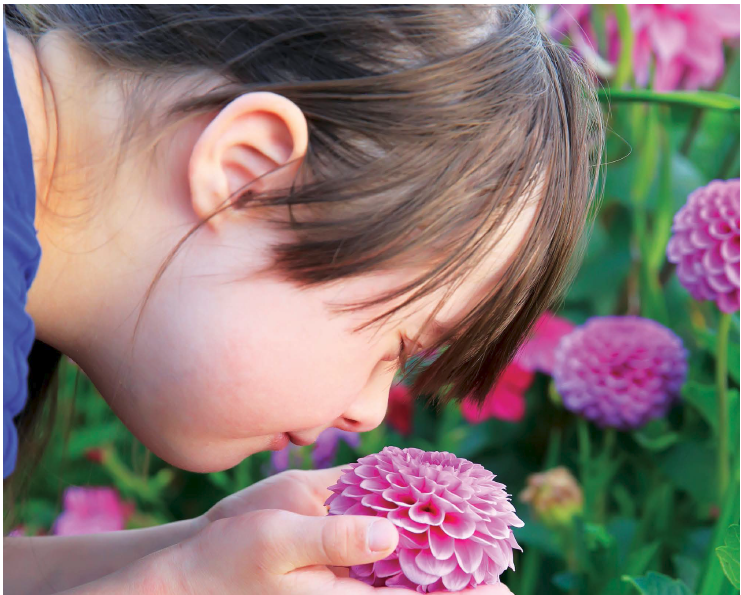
[(381, 536)]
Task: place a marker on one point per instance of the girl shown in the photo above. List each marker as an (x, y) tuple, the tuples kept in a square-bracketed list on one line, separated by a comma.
[(248, 218)]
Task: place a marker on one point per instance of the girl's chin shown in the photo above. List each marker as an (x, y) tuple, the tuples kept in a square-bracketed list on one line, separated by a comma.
[(200, 460)]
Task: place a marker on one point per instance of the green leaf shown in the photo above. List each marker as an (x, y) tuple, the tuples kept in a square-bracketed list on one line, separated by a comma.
[(656, 435), (657, 584), (729, 555), (639, 560), (699, 99), (687, 569), (703, 398), (690, 465)]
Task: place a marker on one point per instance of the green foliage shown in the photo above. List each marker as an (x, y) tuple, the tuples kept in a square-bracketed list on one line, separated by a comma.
[(658, 584), (728, 555)]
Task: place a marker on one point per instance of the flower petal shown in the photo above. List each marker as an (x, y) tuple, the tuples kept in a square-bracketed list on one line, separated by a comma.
[(456, 580), (412, 571), (458, 526), (469, 555), (400, 518), (426, 512), (428, 563), (387, 567), (441, 544), (378, 502)]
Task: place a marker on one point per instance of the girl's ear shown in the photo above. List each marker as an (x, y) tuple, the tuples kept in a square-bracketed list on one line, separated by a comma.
[(256, 134)]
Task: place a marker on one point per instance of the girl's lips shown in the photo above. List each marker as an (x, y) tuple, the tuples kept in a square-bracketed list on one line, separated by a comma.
[(298, 441), (279, 442)]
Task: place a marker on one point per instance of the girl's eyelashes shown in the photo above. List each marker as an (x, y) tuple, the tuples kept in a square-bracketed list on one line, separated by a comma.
[(399, 355), (404, 343)]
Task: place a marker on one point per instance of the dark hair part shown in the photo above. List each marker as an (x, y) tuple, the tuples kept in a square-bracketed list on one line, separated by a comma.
[(427, 127)]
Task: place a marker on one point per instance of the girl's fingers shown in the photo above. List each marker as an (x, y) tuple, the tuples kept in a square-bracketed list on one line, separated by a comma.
[(291, 541)]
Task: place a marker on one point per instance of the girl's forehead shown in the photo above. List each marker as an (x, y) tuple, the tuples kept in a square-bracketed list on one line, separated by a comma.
[(446, 307)]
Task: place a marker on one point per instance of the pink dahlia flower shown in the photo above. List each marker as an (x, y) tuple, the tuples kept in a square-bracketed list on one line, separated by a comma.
[(620, 371), (453, 519), (91, 510), (705, 244), (538, 352)]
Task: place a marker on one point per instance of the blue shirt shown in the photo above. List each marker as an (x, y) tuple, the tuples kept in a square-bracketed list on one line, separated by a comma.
[(21, 255)]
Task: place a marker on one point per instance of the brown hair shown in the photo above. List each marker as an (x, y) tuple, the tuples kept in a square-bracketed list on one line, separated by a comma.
[(427, 126)]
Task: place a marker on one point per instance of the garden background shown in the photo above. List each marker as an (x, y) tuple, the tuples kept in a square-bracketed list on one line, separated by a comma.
[(653, 509)]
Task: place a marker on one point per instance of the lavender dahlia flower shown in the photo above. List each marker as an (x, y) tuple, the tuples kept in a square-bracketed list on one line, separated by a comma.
[(453, 519), (620, 371), (705, 244)]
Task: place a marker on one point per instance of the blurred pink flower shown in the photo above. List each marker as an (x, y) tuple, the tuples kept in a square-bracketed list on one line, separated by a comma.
[(683, 43), (323, 451), (400, 409), (538, 352), (505, 401), (91, 510), (620, 371), (327, 443)]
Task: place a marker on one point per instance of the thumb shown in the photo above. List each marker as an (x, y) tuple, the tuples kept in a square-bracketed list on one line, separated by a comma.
[(297, 541)]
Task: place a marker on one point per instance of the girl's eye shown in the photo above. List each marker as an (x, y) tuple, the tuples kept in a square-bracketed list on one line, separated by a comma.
[(398, 356)]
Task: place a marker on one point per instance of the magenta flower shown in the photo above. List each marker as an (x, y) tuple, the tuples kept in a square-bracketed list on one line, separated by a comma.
[(705, 244), (505, 401), (539, 351), (91, 510), (681, 43), (400, 409), (453, 519), (620, 371)]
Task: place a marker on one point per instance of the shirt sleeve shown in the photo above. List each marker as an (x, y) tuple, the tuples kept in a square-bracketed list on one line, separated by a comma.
[(21, 256)]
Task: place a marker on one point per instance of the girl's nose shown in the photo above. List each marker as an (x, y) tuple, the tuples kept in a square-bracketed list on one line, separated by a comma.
[(369, 409)]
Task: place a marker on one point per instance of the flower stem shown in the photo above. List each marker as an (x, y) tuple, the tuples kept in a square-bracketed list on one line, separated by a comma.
[(553, 454), (698, 99), (585, 455), (608, 446), (721, 385), (530, 573)]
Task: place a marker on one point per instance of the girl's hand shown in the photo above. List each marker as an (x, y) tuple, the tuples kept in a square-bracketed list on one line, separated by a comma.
[(302, 492), (279, 552)]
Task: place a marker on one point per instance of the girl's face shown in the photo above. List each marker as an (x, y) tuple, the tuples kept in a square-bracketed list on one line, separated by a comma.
[(221, 363), (225, 364)]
